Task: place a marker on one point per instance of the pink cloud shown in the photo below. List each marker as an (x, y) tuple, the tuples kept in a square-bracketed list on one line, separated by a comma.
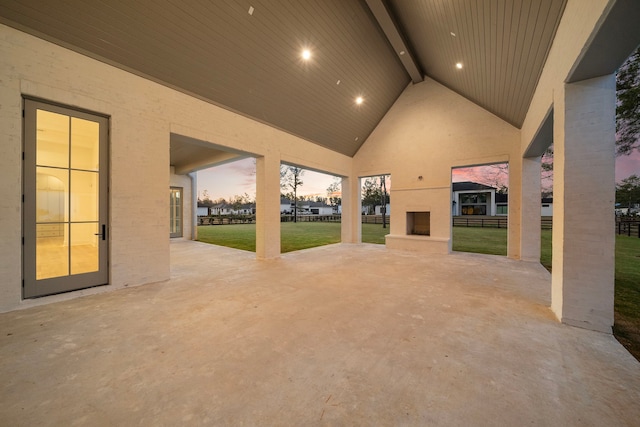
[(627, 166)]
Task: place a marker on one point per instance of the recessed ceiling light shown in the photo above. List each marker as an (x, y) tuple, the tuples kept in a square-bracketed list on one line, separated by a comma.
[(306, 54), (459, 65), (356, 138), (402, 52), (251, 9), (452, 33), (359, 100), (338, 82)]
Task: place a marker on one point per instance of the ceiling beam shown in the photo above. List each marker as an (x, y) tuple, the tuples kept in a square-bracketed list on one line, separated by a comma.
[(391, 30), (611, 44)]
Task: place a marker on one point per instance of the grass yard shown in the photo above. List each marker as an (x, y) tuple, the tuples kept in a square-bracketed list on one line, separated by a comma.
[(627, 300), (493, 241), (374, 233), (294, 236)]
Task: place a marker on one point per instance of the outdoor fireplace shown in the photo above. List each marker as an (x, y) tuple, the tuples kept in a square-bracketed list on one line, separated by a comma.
[(419, 223)]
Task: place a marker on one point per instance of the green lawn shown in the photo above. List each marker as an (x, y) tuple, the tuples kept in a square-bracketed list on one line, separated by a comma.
[(627, 300), (493, 241), (294, 236), (374, 233)]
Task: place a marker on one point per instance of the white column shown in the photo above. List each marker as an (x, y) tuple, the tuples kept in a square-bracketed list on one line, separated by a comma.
[(268, 206), (514, 221), (351, 218), (530, 210), (583, 195), (194, 205)]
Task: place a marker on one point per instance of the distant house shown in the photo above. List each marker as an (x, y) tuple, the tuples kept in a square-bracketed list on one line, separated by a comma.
[(378, 210), (502, 204), (547, 206), (472, 198), (245, 209), (221, 209), (228, 209), (286, 206), (319, 208), (203, 209), (305, 207)]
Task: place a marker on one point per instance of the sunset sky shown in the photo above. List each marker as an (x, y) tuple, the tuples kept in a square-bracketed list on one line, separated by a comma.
[(239, 177)]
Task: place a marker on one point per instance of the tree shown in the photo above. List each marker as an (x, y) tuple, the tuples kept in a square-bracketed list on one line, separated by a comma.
[(628, 191), (290, 179), (238, 201), (383, 210), (334, 193), (371, 193), (205, 200), (628, 105), (220, 201)]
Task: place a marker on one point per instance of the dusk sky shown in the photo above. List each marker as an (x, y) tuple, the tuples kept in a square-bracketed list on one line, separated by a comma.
[(238, 178)]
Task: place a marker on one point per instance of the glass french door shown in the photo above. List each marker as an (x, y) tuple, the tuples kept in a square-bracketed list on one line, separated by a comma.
[(175, 215), (65, 199)]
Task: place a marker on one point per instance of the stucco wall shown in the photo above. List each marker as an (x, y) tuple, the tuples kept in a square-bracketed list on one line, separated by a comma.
[(142, 116), (428, 131)]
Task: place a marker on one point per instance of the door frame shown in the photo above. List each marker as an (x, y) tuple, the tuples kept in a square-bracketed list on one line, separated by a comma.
[(179, 233), (31, 287)]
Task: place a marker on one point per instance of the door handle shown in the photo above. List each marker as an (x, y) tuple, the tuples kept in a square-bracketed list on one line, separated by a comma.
[(104, 232)]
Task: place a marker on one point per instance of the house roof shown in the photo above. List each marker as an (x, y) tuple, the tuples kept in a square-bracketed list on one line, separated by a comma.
[(246, 56), (470, 186)]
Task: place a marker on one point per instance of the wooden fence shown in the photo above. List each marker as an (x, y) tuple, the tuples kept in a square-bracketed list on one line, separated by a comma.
[(311, 218), (375, 219), (623, 227), (628, 227), (251, 219), (546, 223), (226, 219)]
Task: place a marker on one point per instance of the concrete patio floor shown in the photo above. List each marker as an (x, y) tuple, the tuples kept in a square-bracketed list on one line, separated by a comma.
[(337, 335)]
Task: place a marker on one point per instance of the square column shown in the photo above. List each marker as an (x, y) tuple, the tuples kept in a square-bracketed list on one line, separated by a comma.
[(530, 226), (350, 229), (584, 195), (268, 207), (514, 219)]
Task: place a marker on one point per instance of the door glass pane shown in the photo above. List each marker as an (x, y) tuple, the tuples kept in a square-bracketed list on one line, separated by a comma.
[(84, 196), (85, 142), (65, 199), (52, 139), (52, 194), (52, 251), (175, 212), (84, 248)]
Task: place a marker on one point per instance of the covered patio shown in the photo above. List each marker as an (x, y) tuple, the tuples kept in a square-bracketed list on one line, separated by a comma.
[(347, 334)]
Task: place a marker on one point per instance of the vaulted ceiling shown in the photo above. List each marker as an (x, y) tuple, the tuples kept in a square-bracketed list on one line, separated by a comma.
[(245, 55)]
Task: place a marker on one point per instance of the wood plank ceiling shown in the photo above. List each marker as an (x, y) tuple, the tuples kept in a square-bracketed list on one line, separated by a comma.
[(501, 44), (244, 55)]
